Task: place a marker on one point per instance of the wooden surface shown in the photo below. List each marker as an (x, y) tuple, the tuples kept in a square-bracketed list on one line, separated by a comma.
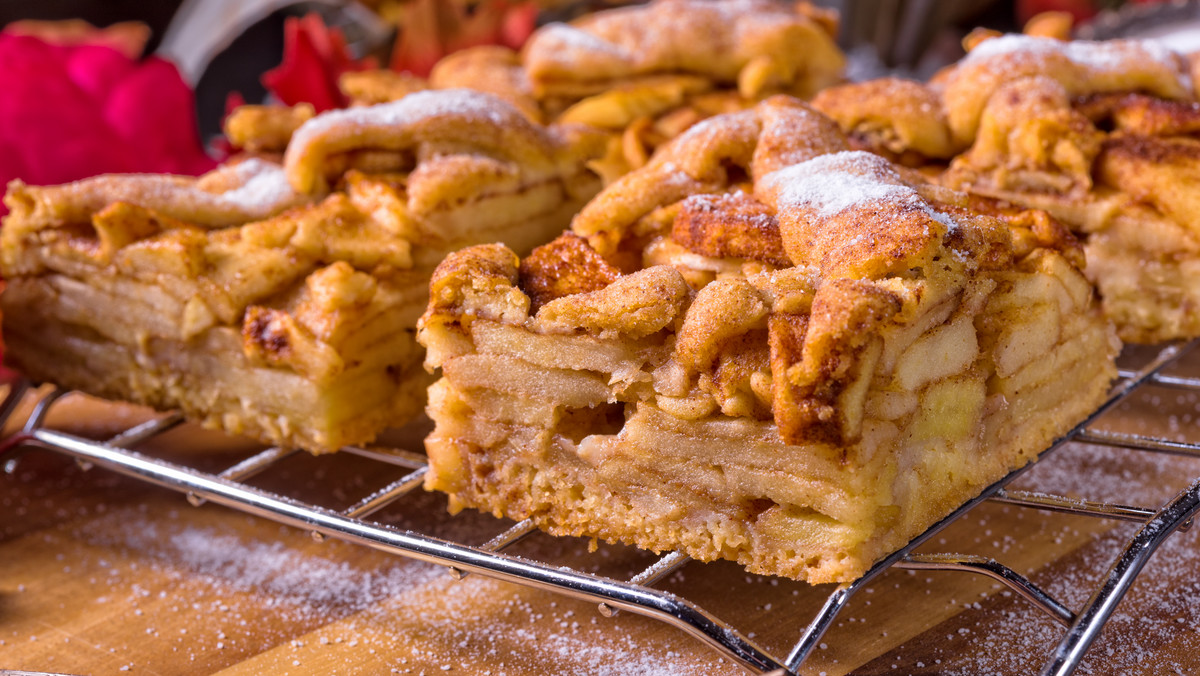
[(100, 574)]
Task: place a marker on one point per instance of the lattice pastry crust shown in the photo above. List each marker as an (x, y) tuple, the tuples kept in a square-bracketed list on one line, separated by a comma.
[(1104, 136), (763, 346), (280, 302), (645, 73)]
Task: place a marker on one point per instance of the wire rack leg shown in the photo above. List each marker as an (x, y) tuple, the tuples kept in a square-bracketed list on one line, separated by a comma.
[(16, 391), (1120, 577), (817, 628)]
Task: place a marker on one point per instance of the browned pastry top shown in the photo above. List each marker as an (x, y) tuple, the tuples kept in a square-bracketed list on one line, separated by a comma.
[(1080, 67), (231, 195), (779, 184), (891, 115), (760, 44), (755, 236), (459, 136)]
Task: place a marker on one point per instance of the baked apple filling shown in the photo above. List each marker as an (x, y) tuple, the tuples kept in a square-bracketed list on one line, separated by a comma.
[(280, 302), (763, 347)]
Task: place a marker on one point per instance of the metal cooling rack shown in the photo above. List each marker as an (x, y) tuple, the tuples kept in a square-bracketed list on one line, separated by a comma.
[(637, 594)]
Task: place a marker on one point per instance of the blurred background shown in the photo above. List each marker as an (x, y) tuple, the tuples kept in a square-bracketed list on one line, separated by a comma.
[(131, 85)]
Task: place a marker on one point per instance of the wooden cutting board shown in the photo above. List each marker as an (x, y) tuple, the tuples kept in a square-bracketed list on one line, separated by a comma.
[(101, 574)]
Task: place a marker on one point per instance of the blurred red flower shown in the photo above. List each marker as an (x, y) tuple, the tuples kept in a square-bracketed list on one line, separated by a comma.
[(69, 111), (82, 104), (314, 57)]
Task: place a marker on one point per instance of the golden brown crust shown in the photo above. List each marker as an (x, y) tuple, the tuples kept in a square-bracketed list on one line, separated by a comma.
[(491, 69), (729, 226), (369, 87), (1141, 114), (564, 267), (711, 157), (762, 46), (1161, 172), (230, 195), (890, 116), (473, 272), (258, 129), (1055, 25), (1011, 233), (635, 305), (839, 346), (1080, 67), (426, 126), (1031, 139), (826, 221), (724, 309)]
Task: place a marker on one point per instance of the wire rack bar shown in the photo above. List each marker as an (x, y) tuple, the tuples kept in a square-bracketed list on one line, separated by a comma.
[(42, 409), (1120, 577), (652, 575), (254, 465), (660, 605), (388, 494), (147, 430), (636, 595), (391, 456), (519, 531), (1174, 382), (1139, 443), (981, 565), (1065, 505)]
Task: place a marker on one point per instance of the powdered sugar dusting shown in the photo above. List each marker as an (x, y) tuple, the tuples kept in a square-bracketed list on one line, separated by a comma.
[(944, 218), (401, 615), (830, 184), (606, 36), (294, 578), (410, 110), (266, 187), (816, 184), (1108, 56), (560, 36)]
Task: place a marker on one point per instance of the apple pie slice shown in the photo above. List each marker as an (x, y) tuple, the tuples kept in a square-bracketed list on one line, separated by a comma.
[(280, 302), (1105, 136), (650, 72), (645, 72), (762, 346)]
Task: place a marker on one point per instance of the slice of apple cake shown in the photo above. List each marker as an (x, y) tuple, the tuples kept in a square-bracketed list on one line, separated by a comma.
[(1105, 136), (761, 347), (644, 72), (280, 302)]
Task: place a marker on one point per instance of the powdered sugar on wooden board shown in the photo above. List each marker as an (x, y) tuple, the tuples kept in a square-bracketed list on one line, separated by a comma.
[(221, 573), (409, 615)]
